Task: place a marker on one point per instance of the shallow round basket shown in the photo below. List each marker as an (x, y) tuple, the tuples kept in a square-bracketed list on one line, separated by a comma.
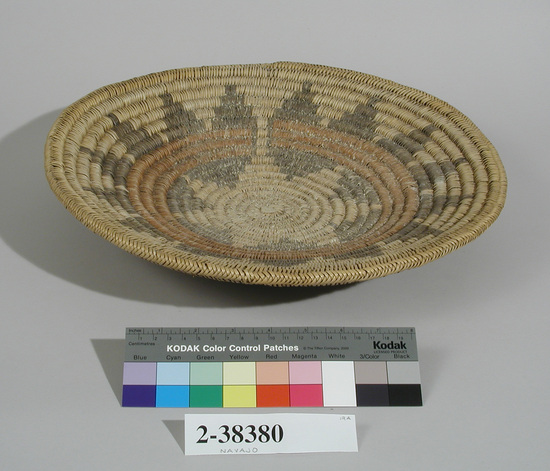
[(282, 174)]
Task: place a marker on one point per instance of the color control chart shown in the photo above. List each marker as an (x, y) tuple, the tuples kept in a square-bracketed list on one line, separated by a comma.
[(271, 367)]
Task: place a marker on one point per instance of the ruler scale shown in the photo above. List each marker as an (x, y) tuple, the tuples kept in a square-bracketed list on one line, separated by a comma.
[(271, 367)]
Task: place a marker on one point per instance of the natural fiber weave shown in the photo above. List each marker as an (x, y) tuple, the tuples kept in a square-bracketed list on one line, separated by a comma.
[(277, 174)]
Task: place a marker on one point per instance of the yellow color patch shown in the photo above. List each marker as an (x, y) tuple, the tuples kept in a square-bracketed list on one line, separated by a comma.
[(239, 396), (239, 373)]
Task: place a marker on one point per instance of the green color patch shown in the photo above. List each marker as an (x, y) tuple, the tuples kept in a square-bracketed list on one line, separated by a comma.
[(206, 396)]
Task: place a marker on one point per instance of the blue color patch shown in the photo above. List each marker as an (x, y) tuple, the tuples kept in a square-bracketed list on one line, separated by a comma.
[(138, 396)]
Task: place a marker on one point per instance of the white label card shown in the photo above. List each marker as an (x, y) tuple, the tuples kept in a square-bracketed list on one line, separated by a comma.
[(255, 434)]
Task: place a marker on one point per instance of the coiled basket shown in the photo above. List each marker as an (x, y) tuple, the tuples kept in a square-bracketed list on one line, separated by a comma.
[(282, 174)]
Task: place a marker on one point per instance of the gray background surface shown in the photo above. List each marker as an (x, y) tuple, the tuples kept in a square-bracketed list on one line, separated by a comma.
[(67, 295)]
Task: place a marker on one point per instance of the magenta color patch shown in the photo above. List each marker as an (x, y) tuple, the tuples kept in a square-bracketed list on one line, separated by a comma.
[(305, 372), (306, 395)]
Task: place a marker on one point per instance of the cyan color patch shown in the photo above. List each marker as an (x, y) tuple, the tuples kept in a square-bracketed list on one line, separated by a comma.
[(175, 374), (172, 396)]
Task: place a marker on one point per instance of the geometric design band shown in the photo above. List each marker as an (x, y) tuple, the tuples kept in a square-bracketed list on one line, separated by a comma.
[(271, 384)]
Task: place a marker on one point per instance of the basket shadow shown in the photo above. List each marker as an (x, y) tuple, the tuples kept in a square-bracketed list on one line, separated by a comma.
[(40, 230)]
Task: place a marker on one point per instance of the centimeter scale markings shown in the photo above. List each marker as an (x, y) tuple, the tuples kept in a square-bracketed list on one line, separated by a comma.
[(271, 367)]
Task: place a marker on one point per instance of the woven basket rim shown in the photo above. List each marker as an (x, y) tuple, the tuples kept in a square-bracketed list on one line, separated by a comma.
[(386, 264)]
